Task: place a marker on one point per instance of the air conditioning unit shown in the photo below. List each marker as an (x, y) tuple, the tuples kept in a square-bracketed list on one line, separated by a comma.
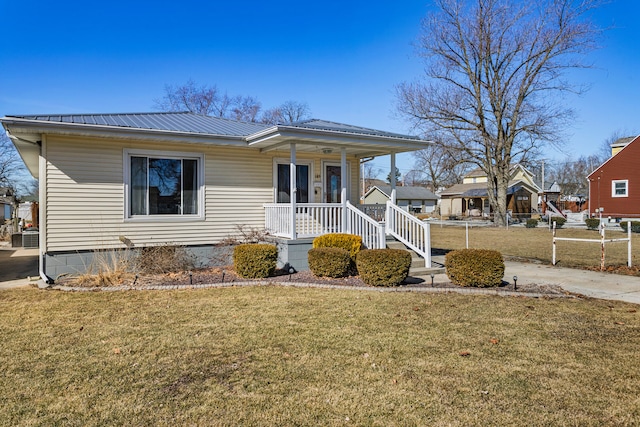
[(30, 239)]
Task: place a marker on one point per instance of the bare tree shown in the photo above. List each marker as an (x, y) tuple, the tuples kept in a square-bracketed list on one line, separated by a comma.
[(370, 173), (439, 166), (245, 109), (10, 163), (492, 69), (287, 113), (571, 175), (207, 100)]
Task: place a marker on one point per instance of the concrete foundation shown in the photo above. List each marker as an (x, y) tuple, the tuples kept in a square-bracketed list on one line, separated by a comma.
[(291, 253)]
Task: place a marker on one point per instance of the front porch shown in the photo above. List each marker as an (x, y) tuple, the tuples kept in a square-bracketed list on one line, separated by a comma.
[(309, 220)]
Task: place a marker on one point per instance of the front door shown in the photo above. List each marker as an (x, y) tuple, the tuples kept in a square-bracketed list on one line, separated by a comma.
[(332, 184)]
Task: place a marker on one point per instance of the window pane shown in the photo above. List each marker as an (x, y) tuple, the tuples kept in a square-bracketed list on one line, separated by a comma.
[(165, 192), (283, 184), (302, 180), (190, 187), (138, 187), (621, 188)]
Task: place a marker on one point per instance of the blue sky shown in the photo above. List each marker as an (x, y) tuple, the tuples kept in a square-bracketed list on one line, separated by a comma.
[(343, 58)]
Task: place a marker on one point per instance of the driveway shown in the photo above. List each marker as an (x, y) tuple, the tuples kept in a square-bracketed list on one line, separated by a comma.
[(17, 263)]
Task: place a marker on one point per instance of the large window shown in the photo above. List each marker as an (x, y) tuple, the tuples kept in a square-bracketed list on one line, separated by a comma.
[(163, 185), (620, 188)]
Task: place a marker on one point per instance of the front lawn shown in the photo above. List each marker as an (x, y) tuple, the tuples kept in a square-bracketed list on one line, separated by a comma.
[(289, 356)]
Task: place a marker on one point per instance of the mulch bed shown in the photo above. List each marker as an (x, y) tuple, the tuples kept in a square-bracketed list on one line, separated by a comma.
[(227, 275)]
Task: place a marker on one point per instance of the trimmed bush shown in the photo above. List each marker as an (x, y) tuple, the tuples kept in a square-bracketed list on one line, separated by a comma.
[(349, 242), (592, 223), (383, 267), (255, 260), (531, 223), (558, 220), (480, 268), (329, 262), (635, 226)]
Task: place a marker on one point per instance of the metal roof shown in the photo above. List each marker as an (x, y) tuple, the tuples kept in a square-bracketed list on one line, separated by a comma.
[(409, 192), (341, 127), (166, 121)]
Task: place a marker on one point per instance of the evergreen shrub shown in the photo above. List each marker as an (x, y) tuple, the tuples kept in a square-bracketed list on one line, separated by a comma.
[(592, 223), (383, 267), (635, 226), (531, 223), (255, 260), (349, 242), (475, 267), (329, 262)]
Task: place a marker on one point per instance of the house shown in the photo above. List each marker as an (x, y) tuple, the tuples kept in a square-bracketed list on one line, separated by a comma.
[(7, 202), (187, 179), (470, 199), (614, 186), (413, 199)]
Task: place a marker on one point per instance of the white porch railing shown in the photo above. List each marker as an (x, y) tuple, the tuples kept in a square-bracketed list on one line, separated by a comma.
[(315, 219), (372, 232), (312, 219), (411, 231)]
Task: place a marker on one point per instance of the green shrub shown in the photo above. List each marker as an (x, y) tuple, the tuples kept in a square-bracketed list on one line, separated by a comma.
[(592, 223), (475, 267), (255, 260), (635, 226), (383, 267), (329, 262), (531, 223), (558, 220), (349, 242)]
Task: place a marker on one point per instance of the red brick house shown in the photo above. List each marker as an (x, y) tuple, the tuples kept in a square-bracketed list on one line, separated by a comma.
[(614, 187)]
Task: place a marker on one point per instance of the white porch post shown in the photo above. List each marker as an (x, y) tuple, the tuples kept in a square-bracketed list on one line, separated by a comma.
[(293, 190), (392, 175), (343, 191)]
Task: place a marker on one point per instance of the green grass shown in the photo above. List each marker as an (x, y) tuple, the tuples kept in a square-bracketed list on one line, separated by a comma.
[(537, 243), (289, 356)]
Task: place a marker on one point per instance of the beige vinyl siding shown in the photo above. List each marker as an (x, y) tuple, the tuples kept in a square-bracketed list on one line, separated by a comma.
[(85, 194), (376, 197)]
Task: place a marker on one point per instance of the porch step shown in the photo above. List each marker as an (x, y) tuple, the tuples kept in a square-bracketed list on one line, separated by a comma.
[(417, 263)]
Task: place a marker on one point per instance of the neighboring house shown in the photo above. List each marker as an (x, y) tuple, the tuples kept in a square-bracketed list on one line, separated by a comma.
[(470, 199), (614, 186), (7, 202), (186, 179), (413, 199)]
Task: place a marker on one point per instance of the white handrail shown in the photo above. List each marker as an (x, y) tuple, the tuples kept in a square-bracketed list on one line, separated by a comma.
[(371, 231), (408, 229)]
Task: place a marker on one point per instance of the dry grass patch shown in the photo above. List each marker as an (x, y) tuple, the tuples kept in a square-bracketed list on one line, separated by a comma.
[(283, 356), (536, 243)]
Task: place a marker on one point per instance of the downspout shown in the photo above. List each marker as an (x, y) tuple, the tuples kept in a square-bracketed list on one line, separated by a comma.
[(42, 188), (42, 226)]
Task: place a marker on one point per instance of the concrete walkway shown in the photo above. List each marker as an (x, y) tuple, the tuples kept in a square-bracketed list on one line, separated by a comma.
[(584, 282), (19, 267)]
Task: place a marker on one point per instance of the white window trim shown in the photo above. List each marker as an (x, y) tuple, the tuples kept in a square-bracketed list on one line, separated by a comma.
[(284, 161), (126, 158), (626, 187)]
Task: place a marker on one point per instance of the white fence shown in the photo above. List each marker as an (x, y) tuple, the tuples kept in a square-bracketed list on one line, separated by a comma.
[(602, 240)]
